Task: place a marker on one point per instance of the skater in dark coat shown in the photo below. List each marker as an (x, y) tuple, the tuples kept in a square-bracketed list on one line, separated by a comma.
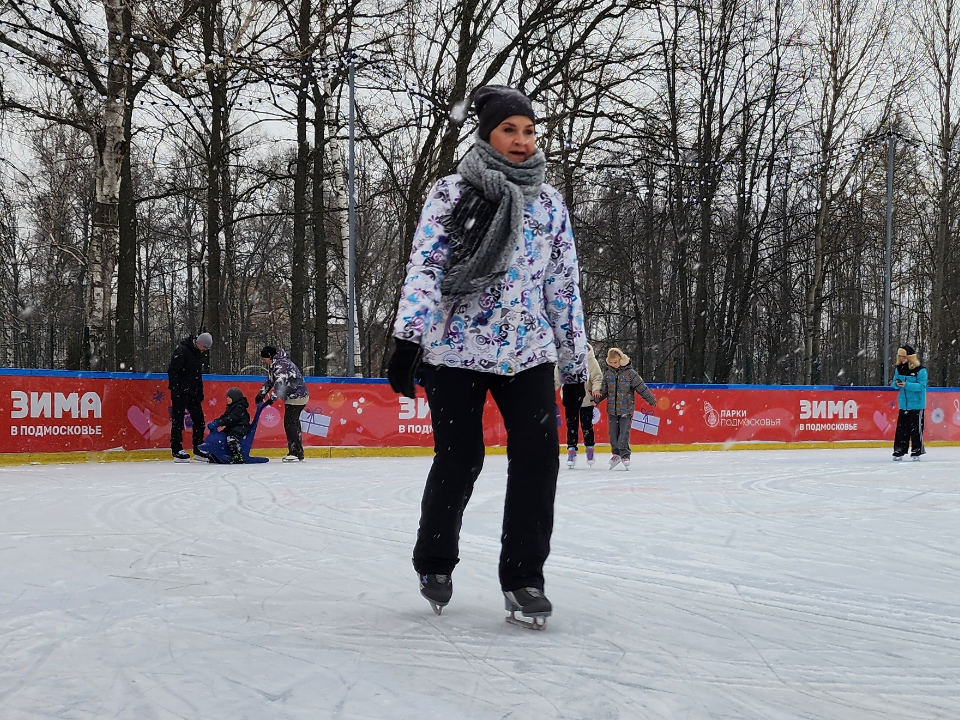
[(235, 422), (910, 378), (578, 405), (185, 381), (490, 303)]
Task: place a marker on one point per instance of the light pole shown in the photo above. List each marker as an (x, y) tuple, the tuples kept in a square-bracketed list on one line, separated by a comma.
[(351, 225), (891, 147)]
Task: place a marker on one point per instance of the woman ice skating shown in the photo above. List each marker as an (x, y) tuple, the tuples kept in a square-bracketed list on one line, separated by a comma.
[(910, 378), (620, 382), (284, 382), (490, 304), (578, 405)]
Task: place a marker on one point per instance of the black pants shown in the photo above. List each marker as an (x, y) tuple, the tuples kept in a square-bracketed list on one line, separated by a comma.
[(194, 406), (528, 406), (909, 430), (291, 426), (582, 416)]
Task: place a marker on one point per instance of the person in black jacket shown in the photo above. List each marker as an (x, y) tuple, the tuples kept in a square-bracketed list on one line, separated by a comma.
[(185, 380), (234, 423)]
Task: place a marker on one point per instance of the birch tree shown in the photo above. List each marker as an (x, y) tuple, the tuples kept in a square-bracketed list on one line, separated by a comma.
[(850, 94)]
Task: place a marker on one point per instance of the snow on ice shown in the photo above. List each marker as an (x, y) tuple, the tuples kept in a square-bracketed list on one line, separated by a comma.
[(747, 585)]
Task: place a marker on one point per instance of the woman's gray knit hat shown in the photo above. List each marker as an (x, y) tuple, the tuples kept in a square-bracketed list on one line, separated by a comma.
[(205, 339)]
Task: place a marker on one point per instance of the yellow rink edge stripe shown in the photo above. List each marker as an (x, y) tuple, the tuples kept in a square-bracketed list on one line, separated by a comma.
[(10, 459)]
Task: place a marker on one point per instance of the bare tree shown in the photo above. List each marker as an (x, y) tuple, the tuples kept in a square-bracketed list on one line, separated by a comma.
[(936, 23), (850, 93)]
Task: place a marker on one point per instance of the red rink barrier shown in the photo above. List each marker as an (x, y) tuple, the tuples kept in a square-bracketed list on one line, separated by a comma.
[(54, 411)]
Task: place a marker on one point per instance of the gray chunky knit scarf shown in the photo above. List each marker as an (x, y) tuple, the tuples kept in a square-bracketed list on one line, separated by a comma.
[(487, 222)]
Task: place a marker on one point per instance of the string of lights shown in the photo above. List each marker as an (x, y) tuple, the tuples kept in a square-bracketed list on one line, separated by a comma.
[(294, 75), (319, 69)]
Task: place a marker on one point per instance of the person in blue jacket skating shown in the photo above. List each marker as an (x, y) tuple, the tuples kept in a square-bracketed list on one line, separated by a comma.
[(910, 378)]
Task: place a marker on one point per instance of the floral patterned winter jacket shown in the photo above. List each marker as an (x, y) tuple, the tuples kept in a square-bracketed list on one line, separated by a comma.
[(532, 317), (285, 379)]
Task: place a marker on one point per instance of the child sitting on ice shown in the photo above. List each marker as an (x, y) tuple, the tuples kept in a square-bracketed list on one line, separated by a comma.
[(234, 423), (620, 381)]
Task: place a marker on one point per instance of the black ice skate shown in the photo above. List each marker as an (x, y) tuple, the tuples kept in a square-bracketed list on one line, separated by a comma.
[(437, 589), (181, 456), (915, 456), (200, 456), (532, 604)]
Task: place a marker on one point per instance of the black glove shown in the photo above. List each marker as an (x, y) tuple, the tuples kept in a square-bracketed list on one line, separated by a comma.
[(573, 394), (403, 365), (260, 396), (272, 400)]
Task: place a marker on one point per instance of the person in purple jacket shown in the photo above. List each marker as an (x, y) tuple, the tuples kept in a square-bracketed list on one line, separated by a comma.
[(490, 304), (285, 382)]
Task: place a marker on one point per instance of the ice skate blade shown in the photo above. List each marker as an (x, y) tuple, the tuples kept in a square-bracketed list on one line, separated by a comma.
[(181, 460), (898, 458), (437, 607), (531, 622)]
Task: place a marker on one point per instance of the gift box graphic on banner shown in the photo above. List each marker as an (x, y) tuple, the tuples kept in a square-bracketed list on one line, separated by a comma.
[(313, 422), (645, 422)]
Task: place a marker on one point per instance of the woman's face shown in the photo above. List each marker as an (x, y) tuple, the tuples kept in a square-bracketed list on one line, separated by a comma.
[(901, 357), (515, 138)]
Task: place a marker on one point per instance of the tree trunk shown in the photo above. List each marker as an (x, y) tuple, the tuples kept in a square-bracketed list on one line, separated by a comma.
[(126, 342), (466, 47), (298, 272), (698, 351), (110, 147), (338, 183), (813, 304), (215, 85), (938, 299), (229, 325), (321, 311)]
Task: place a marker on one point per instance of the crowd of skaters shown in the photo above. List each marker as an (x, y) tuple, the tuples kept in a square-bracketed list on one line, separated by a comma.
[(185, 381)]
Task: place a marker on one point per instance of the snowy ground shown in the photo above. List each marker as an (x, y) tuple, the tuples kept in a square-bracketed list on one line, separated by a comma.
[(741, 585)]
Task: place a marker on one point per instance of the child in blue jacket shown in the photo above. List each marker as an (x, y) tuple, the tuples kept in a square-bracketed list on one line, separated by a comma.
[(910, 378)]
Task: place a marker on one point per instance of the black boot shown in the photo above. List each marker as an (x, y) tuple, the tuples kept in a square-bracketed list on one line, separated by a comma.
[(437, 589), (236, 456), (531, 603)]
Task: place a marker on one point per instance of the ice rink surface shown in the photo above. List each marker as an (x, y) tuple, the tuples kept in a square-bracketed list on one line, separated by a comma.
[(743, 585)]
